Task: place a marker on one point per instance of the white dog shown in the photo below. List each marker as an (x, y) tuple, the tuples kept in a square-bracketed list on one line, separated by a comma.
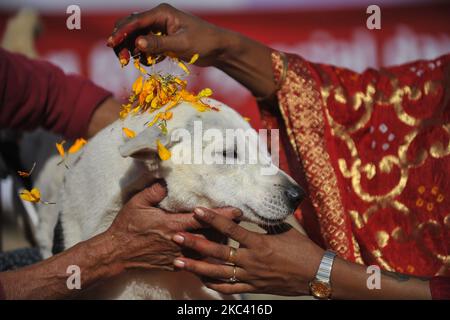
[(112, 167)]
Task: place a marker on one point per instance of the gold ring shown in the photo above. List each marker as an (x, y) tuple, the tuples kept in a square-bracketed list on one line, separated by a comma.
[(233, 279), (232, 255)]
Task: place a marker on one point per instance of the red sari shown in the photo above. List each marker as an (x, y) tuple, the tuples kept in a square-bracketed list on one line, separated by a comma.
[(373, 151)]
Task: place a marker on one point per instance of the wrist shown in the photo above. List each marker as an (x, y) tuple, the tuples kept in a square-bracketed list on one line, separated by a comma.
[(103, 257), (229, 48)]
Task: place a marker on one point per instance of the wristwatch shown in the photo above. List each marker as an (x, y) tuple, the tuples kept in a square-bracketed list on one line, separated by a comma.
[(320, 286)]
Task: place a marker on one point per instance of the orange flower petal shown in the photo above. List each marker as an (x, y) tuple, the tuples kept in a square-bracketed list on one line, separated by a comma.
[(77, 145), (60, 148), (194, 58), (163, 152), (129, 133)]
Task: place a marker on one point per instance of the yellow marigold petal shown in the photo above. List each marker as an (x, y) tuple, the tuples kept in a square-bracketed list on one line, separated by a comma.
[(183, 66), (60, 148), (194, 58), (163, 152), (31, 196), (123, 62), (150, 60), (26, 174), (138, 66), (247, 119), (167, 115), (207, 92), (155, 119), (129, 133), (137, 85), (77, 145)]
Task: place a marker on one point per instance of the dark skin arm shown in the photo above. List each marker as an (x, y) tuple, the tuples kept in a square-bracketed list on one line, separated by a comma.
[(283, 264), (244, 59), (140, 237), (106, 113)]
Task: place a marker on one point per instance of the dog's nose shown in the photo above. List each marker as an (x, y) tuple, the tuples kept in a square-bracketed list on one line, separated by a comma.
[(295, 195)]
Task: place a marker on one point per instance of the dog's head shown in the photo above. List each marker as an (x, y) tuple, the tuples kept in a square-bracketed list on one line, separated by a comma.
[(217, 160)]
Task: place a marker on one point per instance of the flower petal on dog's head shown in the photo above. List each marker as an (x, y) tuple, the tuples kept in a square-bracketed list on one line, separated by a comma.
[(77, 145), (163, 152), (129, 133)]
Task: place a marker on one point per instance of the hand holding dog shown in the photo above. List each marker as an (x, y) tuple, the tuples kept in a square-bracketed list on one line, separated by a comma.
[(281, 263), (141, 233)]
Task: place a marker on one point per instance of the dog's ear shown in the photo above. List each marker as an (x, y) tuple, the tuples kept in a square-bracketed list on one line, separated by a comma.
[(143, 146)]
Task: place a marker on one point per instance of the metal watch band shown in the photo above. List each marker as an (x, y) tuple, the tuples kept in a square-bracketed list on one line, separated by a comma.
[(326, 264)]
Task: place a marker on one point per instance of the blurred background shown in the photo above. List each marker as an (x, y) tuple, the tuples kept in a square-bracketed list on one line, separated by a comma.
[(327, 31)]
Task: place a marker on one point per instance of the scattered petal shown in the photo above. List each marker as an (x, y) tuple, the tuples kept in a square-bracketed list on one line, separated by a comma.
[(129, 133), (163, 152), (77, 145), (194, 58), (183, 66), (33, 195), (26, 174), (60, 148), (207, 92)]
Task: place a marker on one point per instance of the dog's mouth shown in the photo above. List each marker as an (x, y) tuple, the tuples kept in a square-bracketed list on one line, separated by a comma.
[(268, 221)]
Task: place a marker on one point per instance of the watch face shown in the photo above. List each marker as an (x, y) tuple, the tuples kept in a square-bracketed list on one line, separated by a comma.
[(320, 289)]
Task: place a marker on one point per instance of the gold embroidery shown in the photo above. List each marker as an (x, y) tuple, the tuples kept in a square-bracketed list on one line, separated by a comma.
[(300, 103), (382, 238)]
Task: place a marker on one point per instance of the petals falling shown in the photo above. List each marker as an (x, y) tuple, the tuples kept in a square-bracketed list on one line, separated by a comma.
[(33, 195), (60, 148), (77, 145), (194, 58), (129, 133), (163, 152), (26, 174)]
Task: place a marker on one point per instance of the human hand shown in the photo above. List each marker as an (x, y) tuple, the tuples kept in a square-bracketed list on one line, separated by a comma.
[(282, 263), (141, 233), (184, 35)]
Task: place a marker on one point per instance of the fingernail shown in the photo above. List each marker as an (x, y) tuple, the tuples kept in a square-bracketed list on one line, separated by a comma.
[(142, 43), (237, 213), (178, 263), (177, 238), (199, 212)]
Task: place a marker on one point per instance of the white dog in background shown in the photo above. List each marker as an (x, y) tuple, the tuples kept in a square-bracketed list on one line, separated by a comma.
[(112, 167)]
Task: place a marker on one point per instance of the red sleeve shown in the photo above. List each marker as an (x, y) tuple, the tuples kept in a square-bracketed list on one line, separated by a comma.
[(440, 288), (36, 93)]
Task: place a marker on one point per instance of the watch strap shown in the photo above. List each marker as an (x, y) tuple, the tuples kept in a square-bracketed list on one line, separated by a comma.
[(325, 267)]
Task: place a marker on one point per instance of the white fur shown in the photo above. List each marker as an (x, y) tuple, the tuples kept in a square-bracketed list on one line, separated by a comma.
[(100, 181)]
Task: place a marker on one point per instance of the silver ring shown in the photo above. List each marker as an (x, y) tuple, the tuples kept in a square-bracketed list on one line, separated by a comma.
[(233, 279)]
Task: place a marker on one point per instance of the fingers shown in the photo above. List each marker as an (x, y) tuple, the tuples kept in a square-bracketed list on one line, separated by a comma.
[(184, 222), (156, 18), (207, 248), (229, 212), (152, 195), (226, 226), (231, 288), (151, 44), (210, 270)]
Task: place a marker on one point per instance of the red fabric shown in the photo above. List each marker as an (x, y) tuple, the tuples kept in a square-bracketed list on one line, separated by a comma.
[(440, 288), (36, 93), (374, 149)]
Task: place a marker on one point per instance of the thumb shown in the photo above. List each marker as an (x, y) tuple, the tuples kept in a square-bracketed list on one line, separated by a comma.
[(152, 195), (152, 44)]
